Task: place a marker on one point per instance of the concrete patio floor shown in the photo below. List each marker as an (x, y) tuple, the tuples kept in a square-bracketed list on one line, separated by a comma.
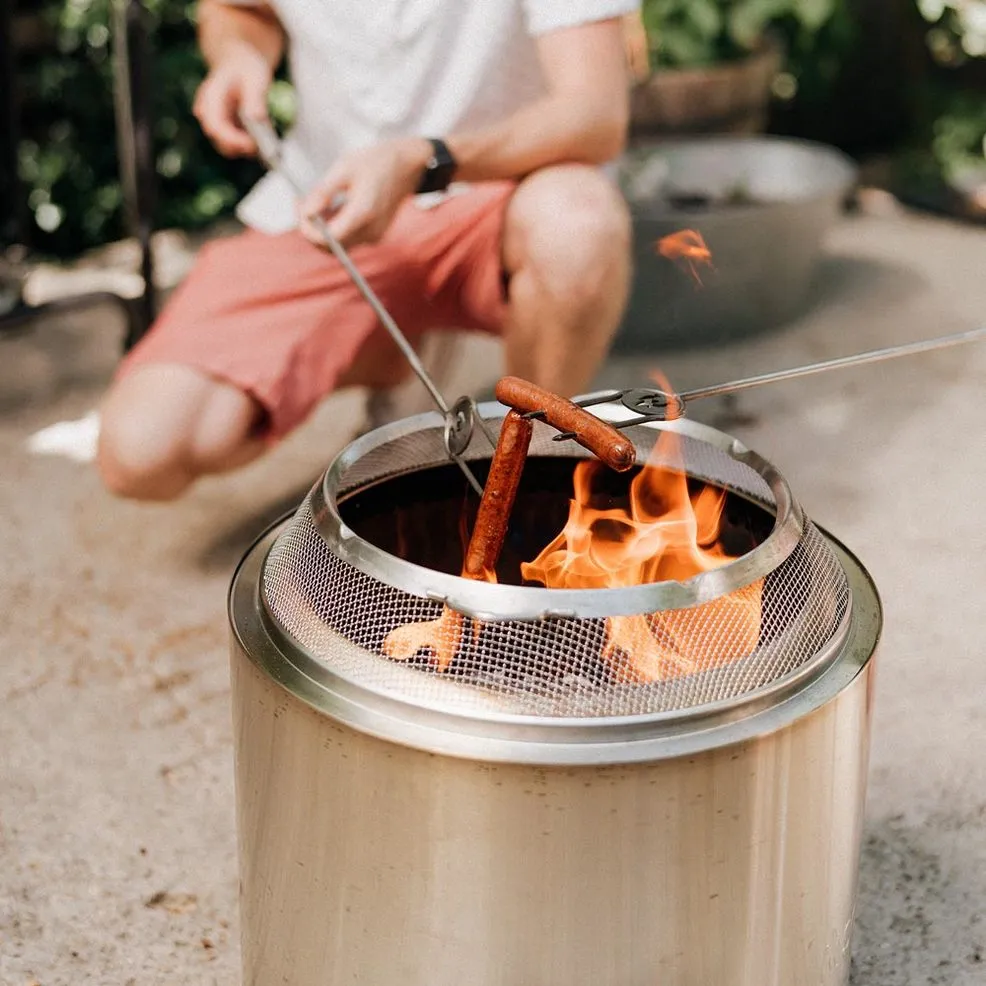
[(117, 846)]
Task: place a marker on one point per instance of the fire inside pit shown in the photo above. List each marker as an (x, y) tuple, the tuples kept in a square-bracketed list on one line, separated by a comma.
[(693, 580), (652, 524), (425, 517)]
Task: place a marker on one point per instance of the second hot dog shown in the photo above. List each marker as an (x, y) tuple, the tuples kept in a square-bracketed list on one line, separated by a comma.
[(598, 436)]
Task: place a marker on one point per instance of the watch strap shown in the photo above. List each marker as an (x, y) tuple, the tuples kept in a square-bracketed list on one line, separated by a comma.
[(439, 170)]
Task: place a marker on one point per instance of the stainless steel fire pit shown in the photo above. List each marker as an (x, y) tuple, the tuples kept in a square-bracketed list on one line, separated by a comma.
[(533, 815)]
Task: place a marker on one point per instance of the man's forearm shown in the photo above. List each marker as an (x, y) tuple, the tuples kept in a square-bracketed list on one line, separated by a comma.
[(222, 27), (582, 118), (553, 130)]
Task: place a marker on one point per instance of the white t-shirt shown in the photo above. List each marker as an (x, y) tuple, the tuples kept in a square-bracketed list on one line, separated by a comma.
[(367, 70)]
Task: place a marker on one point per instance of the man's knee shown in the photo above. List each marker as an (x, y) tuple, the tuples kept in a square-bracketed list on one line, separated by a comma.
[(572, 224), (136, 458), (163, 427)]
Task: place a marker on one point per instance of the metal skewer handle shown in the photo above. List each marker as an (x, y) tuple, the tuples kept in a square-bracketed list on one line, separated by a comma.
[(458, 422), (659, 405), (873, 356), (650, 404)]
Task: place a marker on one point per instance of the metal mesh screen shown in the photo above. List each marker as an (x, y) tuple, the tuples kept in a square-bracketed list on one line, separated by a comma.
[(619, 666)]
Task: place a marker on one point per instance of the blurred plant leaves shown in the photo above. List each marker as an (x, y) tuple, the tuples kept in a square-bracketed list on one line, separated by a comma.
[(68, 150), (696, 33), (814, 13), (749, 19)]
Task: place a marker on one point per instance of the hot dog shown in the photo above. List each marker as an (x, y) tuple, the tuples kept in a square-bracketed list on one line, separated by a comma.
[(499, 494), (599, 437)]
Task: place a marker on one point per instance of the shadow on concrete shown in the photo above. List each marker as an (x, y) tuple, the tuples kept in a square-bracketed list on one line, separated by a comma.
[(845, 278), (224, 551), (54, 355)]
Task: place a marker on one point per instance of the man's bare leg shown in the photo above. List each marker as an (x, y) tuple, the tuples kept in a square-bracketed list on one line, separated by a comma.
[(566, 250), (164, 425)]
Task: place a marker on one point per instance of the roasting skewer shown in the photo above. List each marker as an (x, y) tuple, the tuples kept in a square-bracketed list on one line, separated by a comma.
[(649, 404), (461, 417), (661, 405)]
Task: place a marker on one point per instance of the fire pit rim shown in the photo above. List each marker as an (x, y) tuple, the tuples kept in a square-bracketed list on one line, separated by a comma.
[(500, 602), (555, 740)]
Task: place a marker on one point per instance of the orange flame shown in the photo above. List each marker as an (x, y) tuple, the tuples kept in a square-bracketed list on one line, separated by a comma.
[(667, 533), (439, 639), (688, 246)]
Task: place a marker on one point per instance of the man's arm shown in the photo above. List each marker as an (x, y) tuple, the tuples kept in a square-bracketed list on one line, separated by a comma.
[(582, 119), (243, 45)]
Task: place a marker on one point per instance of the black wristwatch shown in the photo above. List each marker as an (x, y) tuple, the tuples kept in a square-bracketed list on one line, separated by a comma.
[(439, 170)]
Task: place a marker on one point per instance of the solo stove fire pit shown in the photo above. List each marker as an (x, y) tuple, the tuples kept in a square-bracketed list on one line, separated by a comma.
[(600, 786)]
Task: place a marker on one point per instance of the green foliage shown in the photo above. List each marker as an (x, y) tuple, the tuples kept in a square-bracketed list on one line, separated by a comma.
[(954, 139), (958, 29), (959, 134), (695, 33), (818, 38), (68, 153), (816, 53), (949, 151)]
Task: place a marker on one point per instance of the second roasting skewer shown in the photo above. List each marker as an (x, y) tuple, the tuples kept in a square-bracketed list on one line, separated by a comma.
[(659, 405), (649, 404)]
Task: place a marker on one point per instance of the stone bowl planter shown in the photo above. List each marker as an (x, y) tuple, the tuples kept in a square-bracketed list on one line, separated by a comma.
[(763, 206), (732, 97)]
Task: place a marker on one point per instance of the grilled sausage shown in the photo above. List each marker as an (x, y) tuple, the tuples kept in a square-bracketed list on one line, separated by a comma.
[(499, 494), (598, 436)]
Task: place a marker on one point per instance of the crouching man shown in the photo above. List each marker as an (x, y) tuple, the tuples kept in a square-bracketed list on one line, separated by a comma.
[(466, 138)]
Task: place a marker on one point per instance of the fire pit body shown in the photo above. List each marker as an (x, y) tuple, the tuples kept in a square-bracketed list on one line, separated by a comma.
[(536, 813)]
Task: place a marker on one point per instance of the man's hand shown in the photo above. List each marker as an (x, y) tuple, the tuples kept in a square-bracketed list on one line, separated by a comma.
[(362, 191), (237, 85)]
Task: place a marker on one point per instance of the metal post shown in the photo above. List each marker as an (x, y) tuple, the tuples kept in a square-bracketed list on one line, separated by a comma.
[(11, 201), (135, 141)]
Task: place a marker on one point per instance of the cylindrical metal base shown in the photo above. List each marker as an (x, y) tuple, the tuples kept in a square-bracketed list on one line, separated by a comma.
[(368, 863)]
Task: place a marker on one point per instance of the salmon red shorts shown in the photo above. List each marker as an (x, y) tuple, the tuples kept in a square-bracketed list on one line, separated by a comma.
[(279, 318)]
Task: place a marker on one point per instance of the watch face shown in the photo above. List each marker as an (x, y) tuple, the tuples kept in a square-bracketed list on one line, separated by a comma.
[(439, 170)]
